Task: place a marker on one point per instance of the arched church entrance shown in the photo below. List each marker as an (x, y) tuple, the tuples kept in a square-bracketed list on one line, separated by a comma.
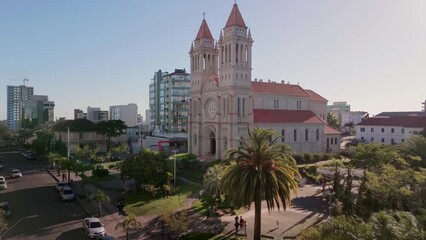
[(212, 137)]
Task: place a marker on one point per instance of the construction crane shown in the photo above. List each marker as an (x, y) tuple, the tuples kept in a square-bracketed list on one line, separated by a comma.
[(23, 80)]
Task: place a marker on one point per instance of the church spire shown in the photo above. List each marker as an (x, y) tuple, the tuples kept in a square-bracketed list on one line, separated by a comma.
[(235, 18), (204, 31)]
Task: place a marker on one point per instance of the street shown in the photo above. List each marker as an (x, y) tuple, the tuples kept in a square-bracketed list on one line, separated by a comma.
[(36, 208)]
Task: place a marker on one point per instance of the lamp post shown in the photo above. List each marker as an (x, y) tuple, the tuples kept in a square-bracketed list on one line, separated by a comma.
[(17, 222), (174, 168)]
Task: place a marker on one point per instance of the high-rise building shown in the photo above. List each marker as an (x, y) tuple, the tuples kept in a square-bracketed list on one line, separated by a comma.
[(95, 114), (16, 95), (37, 111), (79, 114), (126, 113), (169, 104)]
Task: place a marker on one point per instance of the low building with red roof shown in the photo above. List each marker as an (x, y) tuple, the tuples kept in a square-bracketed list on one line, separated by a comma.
[(390, 128)]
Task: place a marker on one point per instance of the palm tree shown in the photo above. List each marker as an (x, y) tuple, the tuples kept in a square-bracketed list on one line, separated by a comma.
[(129, 222), (100, 196), (263, 170), (332, 121), (350, 126), (212, 178)]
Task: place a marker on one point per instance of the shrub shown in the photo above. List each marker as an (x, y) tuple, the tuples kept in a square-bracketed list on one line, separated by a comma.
[(100, 172), (308, 157)]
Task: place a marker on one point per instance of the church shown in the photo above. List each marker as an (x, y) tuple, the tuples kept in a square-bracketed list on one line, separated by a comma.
[(224, 101)]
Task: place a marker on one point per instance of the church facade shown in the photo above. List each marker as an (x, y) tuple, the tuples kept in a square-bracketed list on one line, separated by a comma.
[(224, 101)]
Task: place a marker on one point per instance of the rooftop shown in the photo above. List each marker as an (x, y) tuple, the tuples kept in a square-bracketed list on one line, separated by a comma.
[(285, 116)]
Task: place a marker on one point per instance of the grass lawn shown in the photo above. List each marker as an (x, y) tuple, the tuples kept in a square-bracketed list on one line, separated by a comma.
[(141, 203), (93, 179)]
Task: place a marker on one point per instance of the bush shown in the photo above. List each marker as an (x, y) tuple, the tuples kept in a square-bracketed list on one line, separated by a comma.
[(308, 157), (100, 172)]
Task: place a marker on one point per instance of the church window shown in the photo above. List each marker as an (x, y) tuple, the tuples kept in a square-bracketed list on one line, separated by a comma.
[(236, 53), (204, 62), (317, 133), (282, 135), (244, 106), (229, 53), (246, 54), (225, 143), (299, 104), (295, 135), (238, 107), (223, 108), (221, 55), (306, 135)]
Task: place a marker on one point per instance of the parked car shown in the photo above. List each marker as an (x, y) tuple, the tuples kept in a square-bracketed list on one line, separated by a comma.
[(60, 185), (66, 193), (6, 209), (16, 173), (93, 227), (3, 184)]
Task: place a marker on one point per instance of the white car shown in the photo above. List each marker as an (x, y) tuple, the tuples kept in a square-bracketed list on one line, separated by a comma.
[(16, 173), (93, 227), (66, 193), (60, 185), (3, 184)]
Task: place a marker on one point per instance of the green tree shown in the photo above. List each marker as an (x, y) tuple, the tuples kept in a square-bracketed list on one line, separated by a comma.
[(339, 228), (129, 222), (212, 179), (373, 155), (5, 133), (111, 128), (350, 126), (395, 225), (263, 169), (3, 222), (148, 168), (415, 148), (42, 144), (100, 197), (177, 221), (347, 194), (332, 121)]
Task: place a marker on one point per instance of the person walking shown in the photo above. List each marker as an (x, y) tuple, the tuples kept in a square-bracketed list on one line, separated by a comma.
[(236, 224)]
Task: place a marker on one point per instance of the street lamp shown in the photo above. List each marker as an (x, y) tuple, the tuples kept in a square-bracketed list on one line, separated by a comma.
[(17, 222), (174, 169)]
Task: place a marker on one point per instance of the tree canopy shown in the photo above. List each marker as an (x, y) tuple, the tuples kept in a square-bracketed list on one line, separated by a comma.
[(111, 128)]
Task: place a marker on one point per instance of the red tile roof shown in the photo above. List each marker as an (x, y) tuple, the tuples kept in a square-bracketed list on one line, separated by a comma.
[(329, 130), (285, 116), (204, 31), (403, 121), (235, 18), (279, 88), (315, 97)]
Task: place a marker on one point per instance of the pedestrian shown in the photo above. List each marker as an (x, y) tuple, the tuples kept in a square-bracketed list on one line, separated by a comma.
[(63, 177), (237, 224), (245, 228), (241, 221)]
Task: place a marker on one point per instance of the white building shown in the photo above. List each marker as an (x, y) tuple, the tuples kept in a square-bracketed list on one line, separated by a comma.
[(126, 113), (225, 102), (392, 129)]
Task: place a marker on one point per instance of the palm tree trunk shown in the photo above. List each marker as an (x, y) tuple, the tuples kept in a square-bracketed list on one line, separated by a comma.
[(257, 215)]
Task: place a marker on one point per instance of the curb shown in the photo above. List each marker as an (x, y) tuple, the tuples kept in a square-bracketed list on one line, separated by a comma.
[(78, 200)]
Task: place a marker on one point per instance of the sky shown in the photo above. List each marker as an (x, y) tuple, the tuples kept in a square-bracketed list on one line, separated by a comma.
[(99, 53)]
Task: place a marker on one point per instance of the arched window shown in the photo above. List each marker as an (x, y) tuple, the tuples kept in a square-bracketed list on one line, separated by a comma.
[(244, 107)]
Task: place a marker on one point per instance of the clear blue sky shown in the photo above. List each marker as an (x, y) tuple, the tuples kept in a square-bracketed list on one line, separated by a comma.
[(99, 53)]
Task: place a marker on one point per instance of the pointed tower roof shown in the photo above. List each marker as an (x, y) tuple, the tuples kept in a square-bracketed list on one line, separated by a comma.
[(204, 31), (235, 18)]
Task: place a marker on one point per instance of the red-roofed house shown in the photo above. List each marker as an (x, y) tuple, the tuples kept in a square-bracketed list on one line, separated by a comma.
[(391, 129), (225, 102)]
